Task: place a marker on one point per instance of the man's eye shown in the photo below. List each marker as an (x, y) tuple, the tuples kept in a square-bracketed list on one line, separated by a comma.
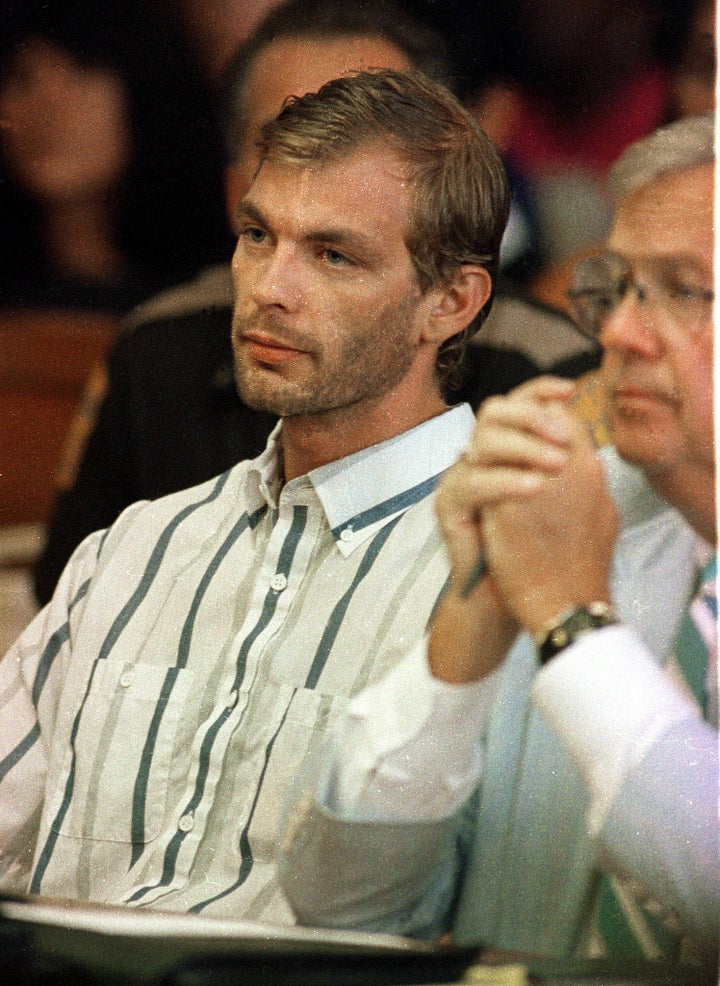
[(600, 300), (684, 291), (335, 258), (253, 234)]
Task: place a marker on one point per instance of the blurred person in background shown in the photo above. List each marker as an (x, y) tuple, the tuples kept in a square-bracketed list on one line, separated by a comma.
[(562, 87), (110, 157), (679, 80), (584, 83)]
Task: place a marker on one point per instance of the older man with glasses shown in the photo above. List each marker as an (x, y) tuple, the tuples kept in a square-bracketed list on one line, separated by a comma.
[(557, 794)]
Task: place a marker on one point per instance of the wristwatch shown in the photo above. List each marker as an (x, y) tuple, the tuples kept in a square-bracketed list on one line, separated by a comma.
[(565, 629)]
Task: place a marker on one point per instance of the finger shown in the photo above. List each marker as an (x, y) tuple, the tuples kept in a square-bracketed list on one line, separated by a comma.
[(550, 421), (481, 488), (497, 446)]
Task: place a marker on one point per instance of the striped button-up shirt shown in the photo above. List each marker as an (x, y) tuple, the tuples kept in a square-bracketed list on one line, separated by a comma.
[(193, 657)]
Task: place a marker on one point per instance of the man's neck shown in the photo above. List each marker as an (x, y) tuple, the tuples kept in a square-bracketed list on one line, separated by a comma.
[(692, 492), (314, 441)]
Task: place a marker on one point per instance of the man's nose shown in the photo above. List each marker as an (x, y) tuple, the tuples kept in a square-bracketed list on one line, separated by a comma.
[(631, 327), (277, 280)]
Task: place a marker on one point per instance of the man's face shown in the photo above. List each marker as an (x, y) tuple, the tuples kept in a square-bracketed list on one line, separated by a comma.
[(328, 311), (293, 67), (660, 366)]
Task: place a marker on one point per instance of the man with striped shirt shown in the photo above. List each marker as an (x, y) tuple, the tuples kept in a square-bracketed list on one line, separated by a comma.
[(195, 654)]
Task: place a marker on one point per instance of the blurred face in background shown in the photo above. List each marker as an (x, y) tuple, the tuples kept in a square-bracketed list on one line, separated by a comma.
[(293, 67), (64, 126)]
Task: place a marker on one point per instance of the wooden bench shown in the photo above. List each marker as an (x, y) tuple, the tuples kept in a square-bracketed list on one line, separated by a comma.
[(45, 359)]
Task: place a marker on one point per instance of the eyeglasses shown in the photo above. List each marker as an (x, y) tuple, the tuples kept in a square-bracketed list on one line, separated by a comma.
[(601, 282)]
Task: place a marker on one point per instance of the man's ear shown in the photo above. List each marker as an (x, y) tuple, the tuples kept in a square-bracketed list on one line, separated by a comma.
[(454, 305)]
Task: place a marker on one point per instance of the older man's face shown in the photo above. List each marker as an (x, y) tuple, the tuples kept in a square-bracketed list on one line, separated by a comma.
[(658, 341)]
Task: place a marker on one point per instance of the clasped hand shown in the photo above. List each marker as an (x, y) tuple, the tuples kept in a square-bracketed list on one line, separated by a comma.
[(529, 491)]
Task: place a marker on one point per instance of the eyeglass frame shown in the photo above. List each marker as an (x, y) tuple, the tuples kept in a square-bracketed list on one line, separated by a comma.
[(589, 321)]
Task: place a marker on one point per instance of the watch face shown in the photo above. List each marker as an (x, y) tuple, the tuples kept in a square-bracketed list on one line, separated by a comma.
[(573, 624)]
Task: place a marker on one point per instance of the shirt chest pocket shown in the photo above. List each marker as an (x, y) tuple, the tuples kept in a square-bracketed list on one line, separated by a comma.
[(295, 727), (113, 781), (304, 718)]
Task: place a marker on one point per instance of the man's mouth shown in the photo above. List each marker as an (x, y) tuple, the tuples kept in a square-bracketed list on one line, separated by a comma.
[(637, 397), (269, 350)]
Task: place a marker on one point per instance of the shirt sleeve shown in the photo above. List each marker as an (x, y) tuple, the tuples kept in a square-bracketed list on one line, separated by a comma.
[(410, 746), (609, 701), (31, 676)]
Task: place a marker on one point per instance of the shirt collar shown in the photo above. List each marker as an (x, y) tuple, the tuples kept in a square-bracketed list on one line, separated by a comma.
[(361, 492)]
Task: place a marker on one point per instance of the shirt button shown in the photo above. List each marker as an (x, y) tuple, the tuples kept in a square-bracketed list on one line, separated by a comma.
[(278, 582), (232, 699), (187, 822), (126, 678), (347, 534)]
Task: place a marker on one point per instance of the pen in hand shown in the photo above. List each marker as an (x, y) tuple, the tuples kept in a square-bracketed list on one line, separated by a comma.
[(478, 571)]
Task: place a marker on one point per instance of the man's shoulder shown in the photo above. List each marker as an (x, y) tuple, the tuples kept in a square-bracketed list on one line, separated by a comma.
[(545, 336), (187, 353), (183, 326), (210, 289), (145, 519)]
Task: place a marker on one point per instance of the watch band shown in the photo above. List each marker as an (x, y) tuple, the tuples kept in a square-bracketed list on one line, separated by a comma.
[(565, 629)]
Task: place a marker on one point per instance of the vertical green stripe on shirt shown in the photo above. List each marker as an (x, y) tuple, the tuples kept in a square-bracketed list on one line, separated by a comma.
[(287, 554), (152, 567), (141, 781), (245, 847), (335, 621)]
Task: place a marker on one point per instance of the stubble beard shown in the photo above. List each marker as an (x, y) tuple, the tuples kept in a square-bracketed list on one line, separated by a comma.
[(362, 366)]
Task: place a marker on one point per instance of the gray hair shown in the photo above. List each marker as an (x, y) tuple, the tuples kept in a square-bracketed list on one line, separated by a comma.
[(686, 143)]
